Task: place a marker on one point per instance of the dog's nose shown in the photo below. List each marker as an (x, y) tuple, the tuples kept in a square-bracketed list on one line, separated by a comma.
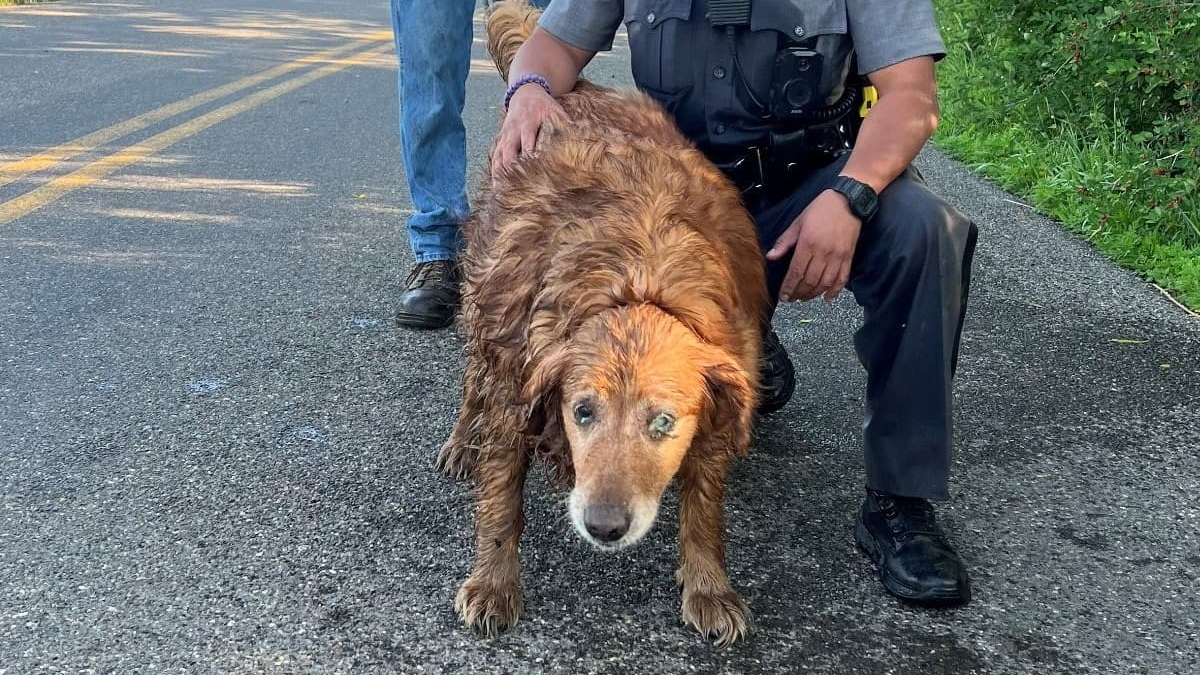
[(607, 522)]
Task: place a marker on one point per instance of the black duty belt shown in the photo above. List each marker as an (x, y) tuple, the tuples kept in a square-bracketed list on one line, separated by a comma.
[(769, 171), (746, 167)]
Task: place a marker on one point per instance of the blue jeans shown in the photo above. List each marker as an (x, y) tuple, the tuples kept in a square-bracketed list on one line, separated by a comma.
[(433, 45)]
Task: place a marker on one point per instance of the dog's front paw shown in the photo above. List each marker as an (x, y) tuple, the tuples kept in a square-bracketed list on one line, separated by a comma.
[(455, 460), (720, 616), (488, 608)]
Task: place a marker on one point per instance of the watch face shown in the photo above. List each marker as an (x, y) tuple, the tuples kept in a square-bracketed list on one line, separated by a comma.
[(861, 197), (866, 202)]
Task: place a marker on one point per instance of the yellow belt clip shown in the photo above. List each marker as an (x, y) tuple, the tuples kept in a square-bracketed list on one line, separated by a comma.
[(870, 96)]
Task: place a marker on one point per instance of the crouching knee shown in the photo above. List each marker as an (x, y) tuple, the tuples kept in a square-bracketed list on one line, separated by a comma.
[(916, 224)]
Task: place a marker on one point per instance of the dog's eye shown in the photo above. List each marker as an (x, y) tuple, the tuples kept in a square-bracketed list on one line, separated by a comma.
[(584, 413), (662, 425)]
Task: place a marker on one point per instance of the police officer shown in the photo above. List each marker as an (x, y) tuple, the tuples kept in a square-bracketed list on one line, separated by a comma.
[(770, 90)]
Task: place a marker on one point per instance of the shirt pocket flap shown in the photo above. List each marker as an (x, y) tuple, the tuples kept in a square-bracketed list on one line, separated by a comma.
[(800, 18), (654, 12)]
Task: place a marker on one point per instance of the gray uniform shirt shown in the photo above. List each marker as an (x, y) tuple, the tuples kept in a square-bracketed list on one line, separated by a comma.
[(689, 65)]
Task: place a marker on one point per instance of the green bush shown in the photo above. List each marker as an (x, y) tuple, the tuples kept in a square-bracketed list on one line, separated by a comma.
[(1091, 110)]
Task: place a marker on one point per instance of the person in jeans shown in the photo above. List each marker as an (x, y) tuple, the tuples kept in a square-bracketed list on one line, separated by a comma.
[(433, 46), (764, 89)]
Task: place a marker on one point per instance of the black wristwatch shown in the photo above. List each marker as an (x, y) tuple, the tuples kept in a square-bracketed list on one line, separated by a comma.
[(863, 201)]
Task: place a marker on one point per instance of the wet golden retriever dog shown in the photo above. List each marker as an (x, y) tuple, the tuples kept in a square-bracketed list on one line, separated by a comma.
[(613, 295)]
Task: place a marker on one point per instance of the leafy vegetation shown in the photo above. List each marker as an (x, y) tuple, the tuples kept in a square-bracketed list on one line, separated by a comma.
[(1089, 109)]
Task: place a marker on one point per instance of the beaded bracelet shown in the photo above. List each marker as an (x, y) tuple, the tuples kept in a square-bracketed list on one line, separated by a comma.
[(522, 81)]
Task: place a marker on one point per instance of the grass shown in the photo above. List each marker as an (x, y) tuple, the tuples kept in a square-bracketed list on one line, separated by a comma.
[(5, 3), (1098, 179)]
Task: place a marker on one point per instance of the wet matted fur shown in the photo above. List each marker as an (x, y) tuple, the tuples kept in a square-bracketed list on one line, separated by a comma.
[(613, 301)]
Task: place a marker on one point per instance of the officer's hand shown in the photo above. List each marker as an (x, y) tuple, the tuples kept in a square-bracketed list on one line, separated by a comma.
[(529, 108), (824, 236)]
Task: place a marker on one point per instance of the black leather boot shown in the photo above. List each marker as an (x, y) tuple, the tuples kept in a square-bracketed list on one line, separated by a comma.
[(431, 296), (778, 375), (915, 561)]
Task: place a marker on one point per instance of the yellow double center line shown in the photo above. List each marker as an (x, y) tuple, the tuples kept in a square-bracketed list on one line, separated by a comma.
[(90, 173)]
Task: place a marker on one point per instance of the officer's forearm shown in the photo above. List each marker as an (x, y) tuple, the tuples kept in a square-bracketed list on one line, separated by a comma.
[(892, 135), (543, 54)]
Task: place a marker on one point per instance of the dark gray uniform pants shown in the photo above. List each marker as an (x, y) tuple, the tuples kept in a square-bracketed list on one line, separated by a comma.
[(911, 274)]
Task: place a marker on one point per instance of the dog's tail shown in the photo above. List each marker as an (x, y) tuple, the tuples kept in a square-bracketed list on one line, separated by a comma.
[(509, 24)]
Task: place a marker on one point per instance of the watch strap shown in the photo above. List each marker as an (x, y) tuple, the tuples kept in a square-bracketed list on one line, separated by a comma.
[(860, 196)]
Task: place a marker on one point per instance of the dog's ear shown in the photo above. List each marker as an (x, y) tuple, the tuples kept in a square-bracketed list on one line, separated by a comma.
[(731, 403), (543, 386)]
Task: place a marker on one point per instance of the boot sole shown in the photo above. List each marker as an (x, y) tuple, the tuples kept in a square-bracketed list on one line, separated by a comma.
[(779, 403), (931, 598), (422, 321)]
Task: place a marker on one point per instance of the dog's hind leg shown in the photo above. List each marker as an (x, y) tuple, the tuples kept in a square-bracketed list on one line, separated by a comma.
[(489, 601), (709, 602), (458, 453)]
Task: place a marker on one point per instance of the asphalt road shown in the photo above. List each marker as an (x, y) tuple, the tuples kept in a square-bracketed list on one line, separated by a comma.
[(216, 451)]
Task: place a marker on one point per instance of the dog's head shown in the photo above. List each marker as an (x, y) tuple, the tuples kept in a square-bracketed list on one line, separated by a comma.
[(633, 388)]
